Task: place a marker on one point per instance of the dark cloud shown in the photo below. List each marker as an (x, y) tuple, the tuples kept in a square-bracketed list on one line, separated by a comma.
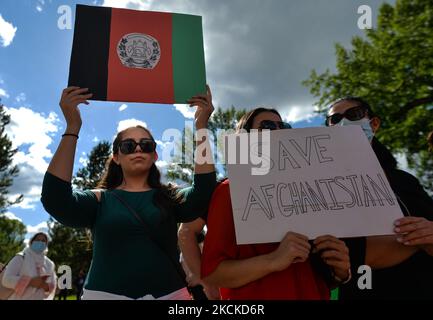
[(258, 52)]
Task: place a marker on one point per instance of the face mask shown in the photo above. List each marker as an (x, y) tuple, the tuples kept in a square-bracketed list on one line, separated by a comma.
[(38, 246), (364, 123)]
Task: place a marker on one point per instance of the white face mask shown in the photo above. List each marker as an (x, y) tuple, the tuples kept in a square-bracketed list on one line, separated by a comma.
[(364, 123)]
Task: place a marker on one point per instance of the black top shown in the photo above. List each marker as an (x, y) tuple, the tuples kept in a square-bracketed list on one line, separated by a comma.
[(412, 279)]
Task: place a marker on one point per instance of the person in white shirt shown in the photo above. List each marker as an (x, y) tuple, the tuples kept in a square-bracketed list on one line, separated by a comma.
[(31, 274)]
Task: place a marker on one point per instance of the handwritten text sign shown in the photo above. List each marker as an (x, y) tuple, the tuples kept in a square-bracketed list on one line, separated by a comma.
[(321, 181)]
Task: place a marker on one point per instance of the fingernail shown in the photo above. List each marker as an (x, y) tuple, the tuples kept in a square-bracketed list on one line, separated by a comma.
[(407, 243), (397, 223), (400, 239), (397, 229)]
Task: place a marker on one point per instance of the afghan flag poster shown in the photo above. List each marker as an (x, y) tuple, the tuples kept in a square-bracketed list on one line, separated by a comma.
[(137, 56)]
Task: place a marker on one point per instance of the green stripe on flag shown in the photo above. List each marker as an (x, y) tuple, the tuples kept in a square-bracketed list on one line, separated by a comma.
[(189, 74)]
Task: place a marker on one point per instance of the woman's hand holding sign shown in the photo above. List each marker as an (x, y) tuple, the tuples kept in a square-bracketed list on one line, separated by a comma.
[(415, 231), (71, 98), (335, 254), (293, 248), (204, 108)]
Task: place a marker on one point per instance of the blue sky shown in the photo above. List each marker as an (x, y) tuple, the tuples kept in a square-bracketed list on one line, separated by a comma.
[(257, 54)]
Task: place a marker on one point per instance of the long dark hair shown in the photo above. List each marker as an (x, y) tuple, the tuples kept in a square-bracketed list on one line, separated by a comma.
[(246, 122), (166, 196)]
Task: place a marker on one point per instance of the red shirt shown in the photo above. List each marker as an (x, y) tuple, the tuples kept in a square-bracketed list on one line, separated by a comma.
[(298, 281)]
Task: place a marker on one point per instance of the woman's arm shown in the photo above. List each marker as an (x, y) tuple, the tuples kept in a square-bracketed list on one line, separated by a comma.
[(197, 196), (385, 252), (191, 253), (293, 248), (203, 154), (78, 208), (62, 163)]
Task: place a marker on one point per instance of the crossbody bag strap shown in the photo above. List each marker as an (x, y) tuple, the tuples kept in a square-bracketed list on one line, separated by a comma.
[(177, 266)]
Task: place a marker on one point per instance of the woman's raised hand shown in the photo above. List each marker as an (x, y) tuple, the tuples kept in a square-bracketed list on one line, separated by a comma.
[(69, 101), (204, 108)]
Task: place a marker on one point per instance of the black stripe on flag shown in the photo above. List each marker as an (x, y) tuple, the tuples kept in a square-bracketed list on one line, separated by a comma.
[(89, 58)]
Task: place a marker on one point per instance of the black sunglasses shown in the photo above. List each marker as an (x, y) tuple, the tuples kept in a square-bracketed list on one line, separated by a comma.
[(352, 114), (128, 146), (274, 125)]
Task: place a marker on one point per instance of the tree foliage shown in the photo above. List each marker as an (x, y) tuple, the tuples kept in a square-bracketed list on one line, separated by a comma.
[(7, 170), (392, 68), (89, 176), (182, 167), (12, 233)]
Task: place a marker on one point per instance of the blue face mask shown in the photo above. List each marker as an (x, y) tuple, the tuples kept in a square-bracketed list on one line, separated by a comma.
[(38, 246), (364, 123)]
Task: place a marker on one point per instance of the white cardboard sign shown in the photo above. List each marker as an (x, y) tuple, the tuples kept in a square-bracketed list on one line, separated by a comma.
[(320, 181)]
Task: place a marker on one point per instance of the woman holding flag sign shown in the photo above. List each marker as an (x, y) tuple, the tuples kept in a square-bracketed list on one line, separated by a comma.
[(133, 217)]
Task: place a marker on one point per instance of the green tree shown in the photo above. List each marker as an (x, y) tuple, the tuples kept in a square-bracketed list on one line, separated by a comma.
[(392, 68), (7, 170), (182, 166), (12, 233), (89, 176), (69, 246)]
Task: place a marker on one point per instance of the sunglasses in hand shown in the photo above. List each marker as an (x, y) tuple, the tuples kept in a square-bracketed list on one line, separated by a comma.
[(128, 146), (274, 125), (352, 114)]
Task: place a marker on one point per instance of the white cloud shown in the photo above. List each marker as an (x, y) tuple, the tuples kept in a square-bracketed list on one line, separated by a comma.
[(30, 132), (161, 164), (124, 124), (295, 114), (123, 107), (11, 216), (7, 32), (132, 4), (21, 97), (83, 159), (41, 227), (163, 144), (3, 93), (187, 111), (40, 5), (31, 191), (187, 171)]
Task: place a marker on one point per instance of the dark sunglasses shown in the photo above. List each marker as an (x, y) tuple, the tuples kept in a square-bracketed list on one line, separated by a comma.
[(352, 114), (274, 125), (128, 146)]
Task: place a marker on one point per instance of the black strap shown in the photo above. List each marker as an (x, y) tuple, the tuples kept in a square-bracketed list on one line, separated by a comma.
[(177, 265)]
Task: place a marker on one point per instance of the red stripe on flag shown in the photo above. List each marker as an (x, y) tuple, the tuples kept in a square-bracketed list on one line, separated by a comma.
[(134, 84)]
